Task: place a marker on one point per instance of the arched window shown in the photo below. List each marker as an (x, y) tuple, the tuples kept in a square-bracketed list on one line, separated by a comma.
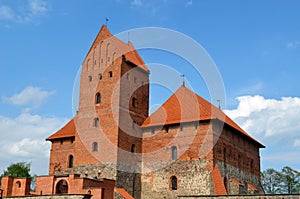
[(110, 73), (98, 98), (132, 148), (71, 161), (96, 122), (174, 153), (134, 102), (95, 146), (173, 183), (18, 183)]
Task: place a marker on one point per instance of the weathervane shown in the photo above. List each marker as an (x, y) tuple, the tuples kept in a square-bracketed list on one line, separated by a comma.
[(183, 79), (106, 20), (219, 102)]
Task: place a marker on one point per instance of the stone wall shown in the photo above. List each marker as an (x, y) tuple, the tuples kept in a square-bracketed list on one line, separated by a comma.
[(295, 196), (192, 178)]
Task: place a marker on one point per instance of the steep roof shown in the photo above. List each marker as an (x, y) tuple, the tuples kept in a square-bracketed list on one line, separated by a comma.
[(67, 131), (127, 50), (186, 106)]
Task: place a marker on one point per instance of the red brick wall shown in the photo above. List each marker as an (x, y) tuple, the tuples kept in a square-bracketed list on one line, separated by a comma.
[(15, 186)]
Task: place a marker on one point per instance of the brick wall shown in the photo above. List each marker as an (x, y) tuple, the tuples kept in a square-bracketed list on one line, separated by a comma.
[(79, 196)]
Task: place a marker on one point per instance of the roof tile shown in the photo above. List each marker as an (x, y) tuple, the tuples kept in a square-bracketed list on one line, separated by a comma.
[(186, 106), (68, 130)]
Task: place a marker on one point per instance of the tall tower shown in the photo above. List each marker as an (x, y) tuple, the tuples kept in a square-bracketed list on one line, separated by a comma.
[(113, 103)]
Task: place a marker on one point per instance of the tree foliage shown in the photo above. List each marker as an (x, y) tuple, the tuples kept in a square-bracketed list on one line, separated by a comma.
[(286, 181), (20, 169)]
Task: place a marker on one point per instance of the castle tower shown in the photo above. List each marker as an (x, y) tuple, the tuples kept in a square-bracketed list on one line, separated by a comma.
[(104, 139)]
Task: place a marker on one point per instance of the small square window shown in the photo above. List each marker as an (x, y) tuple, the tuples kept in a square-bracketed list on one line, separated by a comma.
[(167, 129), (152, 131), (90, 78), (134, 102)]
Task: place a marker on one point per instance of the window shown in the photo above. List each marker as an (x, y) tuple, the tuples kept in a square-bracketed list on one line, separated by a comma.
[(174, 153), (96, 122), (90, 78), (152, 131), (95, 146), (181, 127), (127, 76), (134, 103), (71, 161), (134, 79), (132, 148), (98, 98), (18, 184), (110, 74), (100, 76), (173, 183), (167, 129)]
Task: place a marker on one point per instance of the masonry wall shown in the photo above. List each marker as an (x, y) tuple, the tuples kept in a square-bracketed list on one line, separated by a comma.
[(15, 186), (296, 196), (237, 158), (79, 196), (192, 167)]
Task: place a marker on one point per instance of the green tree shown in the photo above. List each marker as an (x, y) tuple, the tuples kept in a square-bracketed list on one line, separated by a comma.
[(290, 180), (271, 181), (20, 169)]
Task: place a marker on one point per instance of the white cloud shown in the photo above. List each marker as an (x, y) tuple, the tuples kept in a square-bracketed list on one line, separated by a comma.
[(6, 13), (33, 9), (37, 7), (23, 139), (136, 3), (272, 119), (293, 44), (189, 3), (30, 96)]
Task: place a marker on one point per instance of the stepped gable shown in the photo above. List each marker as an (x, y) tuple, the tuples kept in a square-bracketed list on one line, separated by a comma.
[(186, 106), (127, 50), (68, 131)]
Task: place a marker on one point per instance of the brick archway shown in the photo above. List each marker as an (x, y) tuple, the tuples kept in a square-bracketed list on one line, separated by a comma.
[(62, 187)]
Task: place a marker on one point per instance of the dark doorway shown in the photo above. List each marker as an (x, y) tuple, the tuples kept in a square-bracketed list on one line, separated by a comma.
[(62, 187)]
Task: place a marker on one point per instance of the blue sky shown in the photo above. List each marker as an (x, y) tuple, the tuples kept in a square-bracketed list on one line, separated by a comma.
[(255, 44)]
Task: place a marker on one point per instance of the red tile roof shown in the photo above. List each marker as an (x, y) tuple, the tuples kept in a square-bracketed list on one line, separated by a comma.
[(251, 186), (127, 50), (124, 193), (219, 187), (67, 131), (186, 106), (237, 182)]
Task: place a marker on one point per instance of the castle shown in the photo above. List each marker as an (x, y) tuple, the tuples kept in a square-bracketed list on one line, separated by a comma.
[(112, 148)]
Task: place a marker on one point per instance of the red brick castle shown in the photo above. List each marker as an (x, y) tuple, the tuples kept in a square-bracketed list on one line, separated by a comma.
[(112, 148)]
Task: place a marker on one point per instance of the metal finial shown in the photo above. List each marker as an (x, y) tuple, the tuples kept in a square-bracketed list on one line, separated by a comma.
[(106, 20), (219, 102), (183, 79)]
